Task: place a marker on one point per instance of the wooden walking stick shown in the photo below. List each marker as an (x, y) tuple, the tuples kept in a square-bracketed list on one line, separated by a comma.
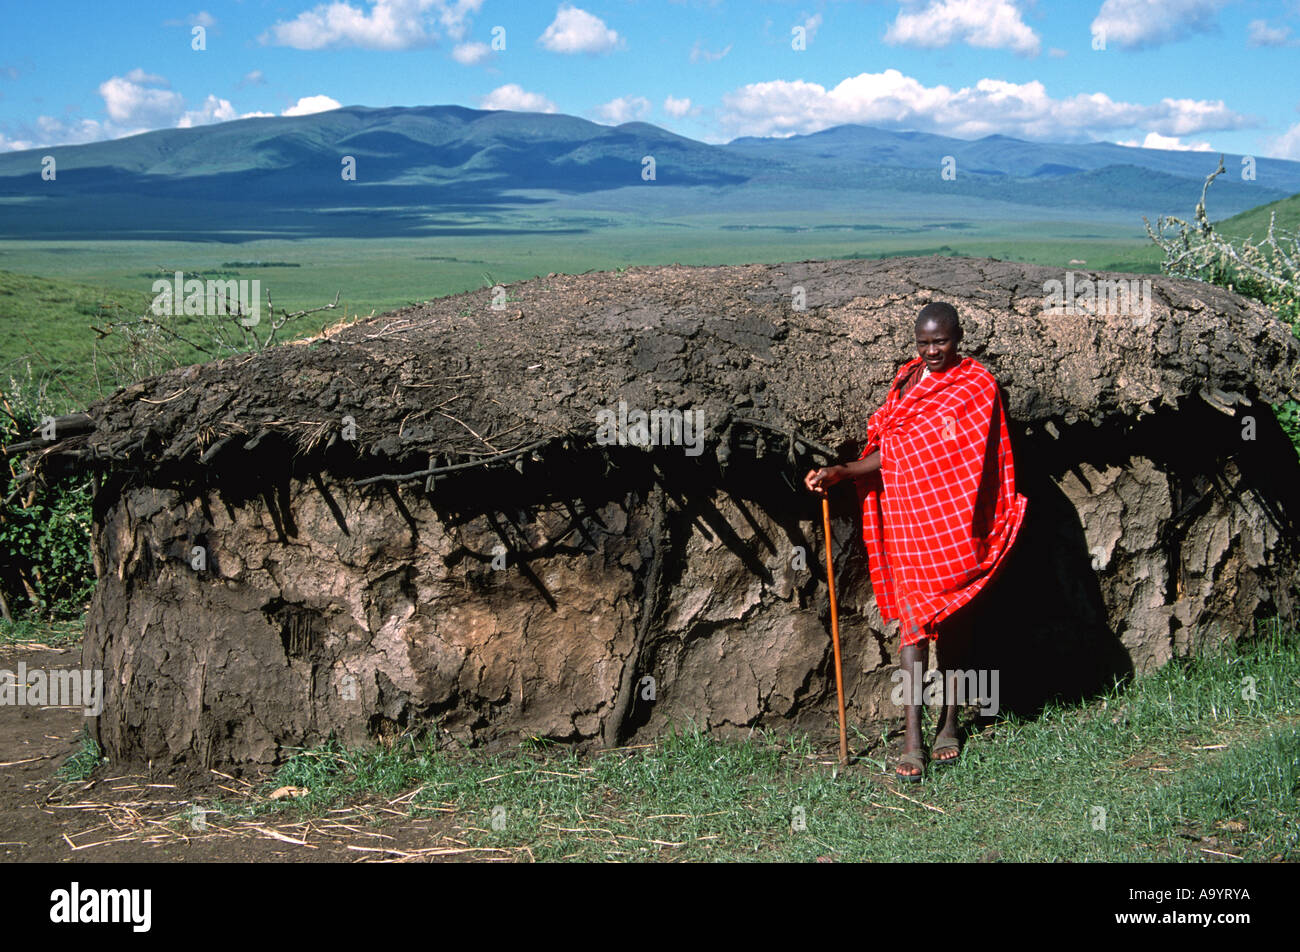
[(835, 626)]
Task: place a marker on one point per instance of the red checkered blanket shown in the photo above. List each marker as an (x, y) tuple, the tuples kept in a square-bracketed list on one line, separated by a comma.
[(943, 511)]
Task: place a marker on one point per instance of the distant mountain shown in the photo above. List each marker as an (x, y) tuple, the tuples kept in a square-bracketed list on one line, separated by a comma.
[(1003, 155), (422, 170)]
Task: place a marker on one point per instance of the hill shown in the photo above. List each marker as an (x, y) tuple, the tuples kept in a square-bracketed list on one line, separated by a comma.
[(428, 170), (1254, 221)]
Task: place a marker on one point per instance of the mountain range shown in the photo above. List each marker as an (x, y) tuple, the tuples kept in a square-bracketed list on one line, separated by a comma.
[(427, 169)]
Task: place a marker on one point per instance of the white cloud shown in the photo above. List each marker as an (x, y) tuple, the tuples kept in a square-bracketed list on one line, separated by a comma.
[(893, 100), (1262, 34), (987, 24), (141, 102), (454, 16), (623, 109), (387, 25), (1133, 24), (1287, 145), (212, 110), (677, 107), (253, 78), (135, 100), (470, 54), (574, 30), (14, 145), (1155, 140), (514, 97), (138, 75), (309, 105), (700, 55)]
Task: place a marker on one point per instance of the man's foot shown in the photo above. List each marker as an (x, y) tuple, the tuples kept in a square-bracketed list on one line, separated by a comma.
[(946, 749), (911, 766)]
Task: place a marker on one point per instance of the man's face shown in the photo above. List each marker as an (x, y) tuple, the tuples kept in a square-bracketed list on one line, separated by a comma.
[(937, 345)]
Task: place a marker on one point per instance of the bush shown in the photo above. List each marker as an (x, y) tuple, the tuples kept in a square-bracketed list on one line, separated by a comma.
[(45, 562), (1267, 271)]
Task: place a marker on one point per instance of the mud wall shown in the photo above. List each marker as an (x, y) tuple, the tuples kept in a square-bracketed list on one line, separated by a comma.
[(322, 608)]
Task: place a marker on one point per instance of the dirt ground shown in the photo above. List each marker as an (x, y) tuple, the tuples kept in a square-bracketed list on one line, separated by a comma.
[(123, 817)]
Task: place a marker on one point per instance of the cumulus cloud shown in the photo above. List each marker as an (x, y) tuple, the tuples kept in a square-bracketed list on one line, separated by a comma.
[(574, 30), (677, 107), (700, 55), (139, 99), (308, 105), (1135, 24), (454, 16), (141, 102), (138, 75), (470, 54), (514, 97), (893, 100), (1155, 140), (212, 110), (623, 109), (386, 25), (14, 145), (1264, 34), (987, 24), (1287, 145)]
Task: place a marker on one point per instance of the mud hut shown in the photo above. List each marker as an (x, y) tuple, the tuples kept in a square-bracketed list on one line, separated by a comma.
[(417, 520)]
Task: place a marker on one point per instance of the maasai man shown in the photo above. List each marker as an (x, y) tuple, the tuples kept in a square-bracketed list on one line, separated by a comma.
[(939, 509)]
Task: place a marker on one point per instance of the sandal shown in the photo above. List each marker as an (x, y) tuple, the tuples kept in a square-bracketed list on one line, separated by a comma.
[(945, 743), (915, 758)]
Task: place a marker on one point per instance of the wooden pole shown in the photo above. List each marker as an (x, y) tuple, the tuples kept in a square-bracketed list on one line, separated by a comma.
[(835, 627)]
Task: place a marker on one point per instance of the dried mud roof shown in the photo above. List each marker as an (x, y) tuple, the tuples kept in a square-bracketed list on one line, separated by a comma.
[(453, 382)]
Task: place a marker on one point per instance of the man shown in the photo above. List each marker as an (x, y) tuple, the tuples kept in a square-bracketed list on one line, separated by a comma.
[(939, 509)]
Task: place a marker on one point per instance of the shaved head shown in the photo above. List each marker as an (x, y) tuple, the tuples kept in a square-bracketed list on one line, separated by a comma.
[(941, 315)]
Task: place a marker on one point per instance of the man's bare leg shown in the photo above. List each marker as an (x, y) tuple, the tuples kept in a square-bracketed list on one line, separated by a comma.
[(950, 647), (913, 658), (948, 719)]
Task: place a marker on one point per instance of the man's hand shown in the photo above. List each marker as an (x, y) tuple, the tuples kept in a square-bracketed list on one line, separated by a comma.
[(819, 480)]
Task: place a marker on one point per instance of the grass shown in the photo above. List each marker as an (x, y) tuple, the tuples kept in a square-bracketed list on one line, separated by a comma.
[(1200, 761), (82, 764), (53, 634), (52, 292)]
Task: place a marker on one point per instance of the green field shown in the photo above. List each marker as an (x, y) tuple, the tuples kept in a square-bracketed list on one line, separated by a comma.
[(51, 293)]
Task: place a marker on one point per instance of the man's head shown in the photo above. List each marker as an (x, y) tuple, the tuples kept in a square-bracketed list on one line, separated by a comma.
[(938, 334)]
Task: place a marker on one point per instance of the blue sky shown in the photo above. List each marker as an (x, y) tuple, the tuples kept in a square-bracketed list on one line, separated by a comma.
[(1213, 74)]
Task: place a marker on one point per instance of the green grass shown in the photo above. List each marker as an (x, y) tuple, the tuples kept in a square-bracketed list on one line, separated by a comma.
[(48, 321), (51, 293), (82, 764), (1254, 221), (1180, 766), (56, 634)]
